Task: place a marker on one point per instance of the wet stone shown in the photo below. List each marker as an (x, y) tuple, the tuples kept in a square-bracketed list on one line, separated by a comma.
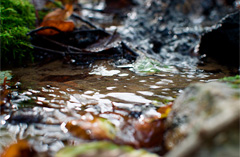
[(201, 115), (25, 116)]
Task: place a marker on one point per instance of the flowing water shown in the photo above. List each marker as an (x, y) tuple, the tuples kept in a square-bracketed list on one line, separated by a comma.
[(45, 98)]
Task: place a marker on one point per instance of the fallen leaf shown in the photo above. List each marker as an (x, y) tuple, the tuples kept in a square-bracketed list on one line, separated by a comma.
[(59, 14), (149, 134), (21, 148), (102, 149), (165, 110), (98, 128), (4, 92), (58, 19), (64, 26)]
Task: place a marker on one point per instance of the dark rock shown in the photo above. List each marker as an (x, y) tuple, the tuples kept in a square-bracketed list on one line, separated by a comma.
[(25, 116), (222, 43)]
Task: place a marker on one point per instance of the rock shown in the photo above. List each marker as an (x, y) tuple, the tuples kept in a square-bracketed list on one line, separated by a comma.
[(204, 121), (222, 43)]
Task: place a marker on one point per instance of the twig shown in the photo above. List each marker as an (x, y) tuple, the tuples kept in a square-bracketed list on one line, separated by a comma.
[(83, 20), (111, 38), (88, 23), (49, 50), (124, 46), (90, 30), (43, 28), (80, 51)]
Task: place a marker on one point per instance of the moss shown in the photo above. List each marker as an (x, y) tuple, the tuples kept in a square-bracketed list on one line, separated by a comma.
[(234, 81), (17, 18)]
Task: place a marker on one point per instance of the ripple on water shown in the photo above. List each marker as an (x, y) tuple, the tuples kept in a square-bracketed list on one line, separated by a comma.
[(129, 97), (101, 70)]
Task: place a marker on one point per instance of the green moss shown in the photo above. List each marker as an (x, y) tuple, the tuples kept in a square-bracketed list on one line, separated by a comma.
[(234, 81), (17, 18)]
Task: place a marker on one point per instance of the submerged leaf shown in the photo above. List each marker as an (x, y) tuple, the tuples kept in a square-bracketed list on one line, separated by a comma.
[(21, 148), (4, 93), (102, 149), (97, 128), (4, 74), (150, 66), (165, 110)]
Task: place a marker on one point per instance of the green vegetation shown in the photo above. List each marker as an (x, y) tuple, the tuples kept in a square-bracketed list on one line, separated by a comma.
[(17, 18), (4, 74), (149, 66), (234, 81), (102, 149)]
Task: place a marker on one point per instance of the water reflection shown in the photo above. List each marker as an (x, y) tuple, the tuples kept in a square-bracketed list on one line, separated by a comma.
[(43, 109), (129, 97), (103, 71)]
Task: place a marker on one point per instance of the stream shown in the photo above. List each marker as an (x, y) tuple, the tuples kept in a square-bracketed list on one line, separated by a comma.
[(43, 102), (46, 100)]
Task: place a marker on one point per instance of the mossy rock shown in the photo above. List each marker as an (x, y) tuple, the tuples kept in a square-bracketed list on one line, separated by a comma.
[(17, 18)]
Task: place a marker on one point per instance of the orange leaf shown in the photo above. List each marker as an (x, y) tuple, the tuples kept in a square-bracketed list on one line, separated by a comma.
[(57, 19), (148, 134), (64, 26), (21, 148), (60, 14), (165, 110), (98, 128)]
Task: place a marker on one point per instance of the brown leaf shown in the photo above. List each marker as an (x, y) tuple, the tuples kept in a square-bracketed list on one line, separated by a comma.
[(64, 26), (4, 93), (97, 128), (60, 14), (165, 110), (21, 148), (149, 134), (57, 19)]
